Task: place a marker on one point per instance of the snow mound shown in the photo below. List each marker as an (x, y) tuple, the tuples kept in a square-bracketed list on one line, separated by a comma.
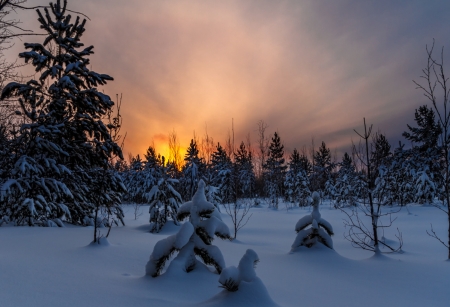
[(103, 241), (250, 294), (242, 286)]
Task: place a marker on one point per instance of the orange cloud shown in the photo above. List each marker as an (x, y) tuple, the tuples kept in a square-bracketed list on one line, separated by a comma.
[(308, 68)]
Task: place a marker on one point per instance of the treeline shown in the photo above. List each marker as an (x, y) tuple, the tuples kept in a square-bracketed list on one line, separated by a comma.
[(398, 175)]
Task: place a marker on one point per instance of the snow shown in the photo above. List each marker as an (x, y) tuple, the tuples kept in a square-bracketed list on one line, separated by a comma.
[(52, 266), (246, 266), (243, 280), (199, 199), (249, 294), (183, 236)]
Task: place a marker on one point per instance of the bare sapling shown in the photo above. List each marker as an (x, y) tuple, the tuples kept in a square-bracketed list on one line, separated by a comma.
[(359, 234)]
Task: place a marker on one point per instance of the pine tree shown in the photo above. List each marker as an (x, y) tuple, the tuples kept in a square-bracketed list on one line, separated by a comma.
[(275, 170), (402, 172), (151, 158), (192, 170), (322, 167), (381, 158), (345, 182), (62, 150), (426, 156), (139, 180), (428, 131), (380, 154), (245, 171), (296, 181), (305, 165), (424, 188), (223, 173), (163, 197), (193, 239)]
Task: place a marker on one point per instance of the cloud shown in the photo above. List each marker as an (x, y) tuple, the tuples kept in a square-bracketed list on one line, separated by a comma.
[(307, 68)]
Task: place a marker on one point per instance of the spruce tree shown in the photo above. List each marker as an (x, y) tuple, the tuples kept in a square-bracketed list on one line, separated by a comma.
[(60, 166), (322, 167), (245, 171), (275, 170), (223, 174), (296, 181), (305, 164), (139, 180), (402, 170), (192, 170), (151, 158), (163, 197), (381, 153), (428, 130), (427, 155), (345, 182)]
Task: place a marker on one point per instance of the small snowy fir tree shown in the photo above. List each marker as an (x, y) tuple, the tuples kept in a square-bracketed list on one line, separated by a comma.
[(401, 176), (297, 182), (193, 239), (241, 285), (319, 232), (231, 277), (302, 189), (212, 192), (138, 179), (424, 188), (164, 199), (344, 186)]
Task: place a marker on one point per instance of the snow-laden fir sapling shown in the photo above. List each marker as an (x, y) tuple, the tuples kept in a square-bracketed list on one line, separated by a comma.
[(164, 199), (231, 277), (193, 239), (241, 285), (319, 232)]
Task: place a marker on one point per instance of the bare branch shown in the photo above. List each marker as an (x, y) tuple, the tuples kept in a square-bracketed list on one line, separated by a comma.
[(434, 235), (238, 212)]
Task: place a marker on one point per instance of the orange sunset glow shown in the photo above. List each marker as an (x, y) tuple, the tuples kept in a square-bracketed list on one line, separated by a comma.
[(309, 69)]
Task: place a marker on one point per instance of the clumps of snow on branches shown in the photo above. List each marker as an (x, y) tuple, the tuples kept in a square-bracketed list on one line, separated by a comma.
[(241, 285), (319, 232), (193, 239), (231, 277)]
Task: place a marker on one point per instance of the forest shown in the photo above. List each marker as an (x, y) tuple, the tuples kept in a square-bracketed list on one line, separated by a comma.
[(62, 167)]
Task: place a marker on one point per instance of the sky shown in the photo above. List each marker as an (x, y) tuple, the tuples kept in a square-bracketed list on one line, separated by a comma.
[(308, 69)]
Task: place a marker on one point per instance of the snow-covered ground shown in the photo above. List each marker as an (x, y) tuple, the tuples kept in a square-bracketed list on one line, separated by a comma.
[(58, 267)]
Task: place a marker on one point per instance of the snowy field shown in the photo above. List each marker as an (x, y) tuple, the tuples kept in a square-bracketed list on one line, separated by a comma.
[(57, 267)]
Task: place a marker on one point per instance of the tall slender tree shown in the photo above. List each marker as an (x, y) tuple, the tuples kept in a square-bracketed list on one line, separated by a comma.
[(223, 173), (437, 90), (322, 167), (245, 171), (192, 170), (275, 170), (62, 151)]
